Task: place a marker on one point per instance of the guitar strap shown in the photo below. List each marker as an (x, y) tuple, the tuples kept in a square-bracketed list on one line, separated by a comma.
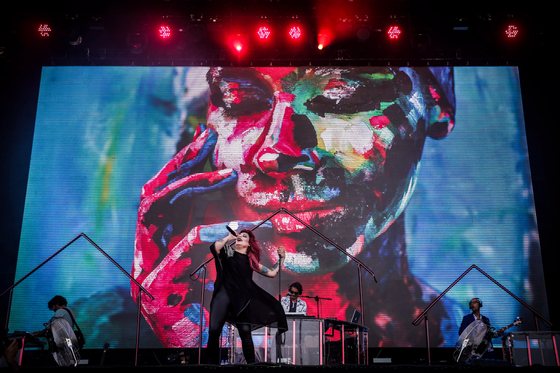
[(74, 323)]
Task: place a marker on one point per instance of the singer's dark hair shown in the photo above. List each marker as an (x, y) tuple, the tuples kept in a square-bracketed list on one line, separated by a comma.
[(254, 251)]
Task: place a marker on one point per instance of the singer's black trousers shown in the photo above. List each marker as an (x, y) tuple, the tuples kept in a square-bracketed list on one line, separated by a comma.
[(218, 315)]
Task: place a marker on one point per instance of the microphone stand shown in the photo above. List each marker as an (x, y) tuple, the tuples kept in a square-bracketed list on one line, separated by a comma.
[(317, 299), (199, 267), (279, 282), (361, 266), (202, 267)]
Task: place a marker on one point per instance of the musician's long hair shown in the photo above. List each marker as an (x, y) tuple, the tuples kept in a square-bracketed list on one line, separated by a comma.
[(254, 250)]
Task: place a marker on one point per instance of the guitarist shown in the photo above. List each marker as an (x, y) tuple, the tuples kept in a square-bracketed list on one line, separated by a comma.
[(475, 304), (479, 343), (59, 305), (476, 333)]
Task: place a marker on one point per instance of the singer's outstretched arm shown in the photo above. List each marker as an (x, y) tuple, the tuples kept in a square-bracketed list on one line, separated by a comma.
[(272, 272)]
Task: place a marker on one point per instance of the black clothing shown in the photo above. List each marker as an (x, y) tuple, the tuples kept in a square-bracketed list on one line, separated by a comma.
[(238, 300), (218, 313)]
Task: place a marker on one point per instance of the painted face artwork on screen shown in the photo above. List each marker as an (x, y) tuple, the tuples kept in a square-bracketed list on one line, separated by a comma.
[(338, 147)]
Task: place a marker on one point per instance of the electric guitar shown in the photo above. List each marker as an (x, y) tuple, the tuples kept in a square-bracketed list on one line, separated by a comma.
[(476, 339), (500, 331)]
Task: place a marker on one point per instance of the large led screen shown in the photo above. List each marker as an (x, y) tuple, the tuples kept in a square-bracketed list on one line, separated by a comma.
[(383, 184)]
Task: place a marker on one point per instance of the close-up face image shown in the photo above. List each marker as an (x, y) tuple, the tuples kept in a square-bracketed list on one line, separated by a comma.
[(338, 147)]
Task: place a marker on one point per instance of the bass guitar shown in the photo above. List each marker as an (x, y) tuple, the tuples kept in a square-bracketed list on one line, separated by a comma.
[(476, 339)]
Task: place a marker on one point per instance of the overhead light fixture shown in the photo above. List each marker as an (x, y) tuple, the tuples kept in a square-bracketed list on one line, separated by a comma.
[(44, 30)]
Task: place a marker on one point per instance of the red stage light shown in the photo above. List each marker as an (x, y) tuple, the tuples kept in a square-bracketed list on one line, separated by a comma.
[(44, 30), (511, 31), (164, 32), (295, 32), (394, 32), (263, 33), (238, 43), (324, 38)]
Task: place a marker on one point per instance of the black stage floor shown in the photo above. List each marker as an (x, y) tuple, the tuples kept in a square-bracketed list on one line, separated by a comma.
[(281, 368), (169, 360)]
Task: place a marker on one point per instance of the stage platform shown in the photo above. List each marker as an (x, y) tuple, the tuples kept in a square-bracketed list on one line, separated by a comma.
[(169, 360), (296, 368)]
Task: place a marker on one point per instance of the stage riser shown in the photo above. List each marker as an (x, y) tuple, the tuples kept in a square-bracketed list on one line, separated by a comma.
[(389, 357)]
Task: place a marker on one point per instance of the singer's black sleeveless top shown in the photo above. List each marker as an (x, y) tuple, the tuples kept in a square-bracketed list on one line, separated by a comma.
[(249, 303)]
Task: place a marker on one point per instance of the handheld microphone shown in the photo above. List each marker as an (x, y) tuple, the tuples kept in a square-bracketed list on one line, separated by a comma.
[(231, 230)]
